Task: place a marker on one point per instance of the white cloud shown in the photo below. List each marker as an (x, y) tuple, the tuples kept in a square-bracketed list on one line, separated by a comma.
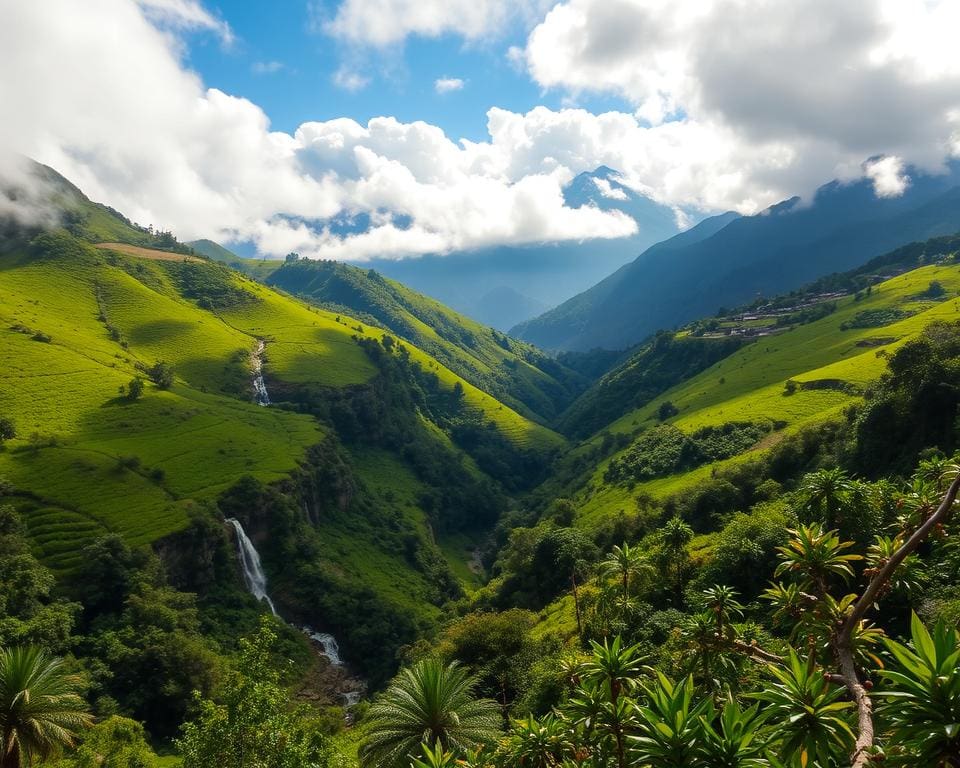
[(266, 67), (207, 164), (605, 188), (186, 14), (448, 84), (382, 23), (814, 85), (752, 125), (350, 80), (888, 176)]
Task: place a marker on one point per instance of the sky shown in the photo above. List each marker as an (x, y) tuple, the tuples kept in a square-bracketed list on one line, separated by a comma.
[(355, 129)]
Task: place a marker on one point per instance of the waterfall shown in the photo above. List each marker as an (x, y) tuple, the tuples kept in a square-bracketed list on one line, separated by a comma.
[(259, 385), (256, 581), (253, 575), (329, 644)]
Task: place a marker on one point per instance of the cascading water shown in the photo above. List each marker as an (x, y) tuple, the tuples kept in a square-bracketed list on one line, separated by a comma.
[(253, 575), (256, 581), (259, 385)]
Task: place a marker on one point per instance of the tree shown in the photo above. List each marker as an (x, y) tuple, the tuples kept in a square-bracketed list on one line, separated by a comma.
[(674, 537), (826, 493), (430, 703), (251, 723), (8, 429), (135, 388), (161, 374), (40, 709), (117, 742), (291, 257), (667, 410), (625, 562)]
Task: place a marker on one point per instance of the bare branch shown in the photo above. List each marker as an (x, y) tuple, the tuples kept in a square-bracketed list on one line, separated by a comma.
[(843, 641)]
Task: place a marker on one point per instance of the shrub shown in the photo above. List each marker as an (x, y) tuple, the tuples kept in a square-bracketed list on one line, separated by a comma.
[(667, 410), (161, 374), (135, 388)]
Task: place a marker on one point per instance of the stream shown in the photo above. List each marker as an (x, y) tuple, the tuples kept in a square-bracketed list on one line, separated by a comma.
[(259, 385), (255, 579)]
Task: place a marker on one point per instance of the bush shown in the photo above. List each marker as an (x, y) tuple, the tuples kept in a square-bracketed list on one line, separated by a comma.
[(7, 429), (135, 388), (161, 374), (667, 410)]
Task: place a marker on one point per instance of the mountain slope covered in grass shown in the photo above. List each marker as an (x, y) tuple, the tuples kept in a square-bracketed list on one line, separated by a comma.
[(791, 243), (104, 444), (769, 382), (515, 372)]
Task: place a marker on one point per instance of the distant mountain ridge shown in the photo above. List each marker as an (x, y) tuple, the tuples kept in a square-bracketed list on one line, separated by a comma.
[(541, 274), (691, 275)]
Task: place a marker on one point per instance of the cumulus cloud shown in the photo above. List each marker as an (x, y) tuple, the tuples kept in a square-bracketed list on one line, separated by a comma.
[(888, 176), (734, 106), (207, 164), (350, 80), (383, 23), (816, 84), (448, 84)]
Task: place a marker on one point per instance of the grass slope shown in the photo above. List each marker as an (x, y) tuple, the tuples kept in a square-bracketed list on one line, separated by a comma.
[(88, 461), (515, 372), (73, 464), (749, 385)]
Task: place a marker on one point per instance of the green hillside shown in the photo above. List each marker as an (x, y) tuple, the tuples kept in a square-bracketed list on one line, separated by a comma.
[(515, 372), (81, 320), (803, 375)]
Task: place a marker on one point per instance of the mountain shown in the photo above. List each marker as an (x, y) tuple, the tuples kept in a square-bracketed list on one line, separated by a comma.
[(515, 372), (545, 274), (503, 307), (760, 384), (133, 370), (790, 243)]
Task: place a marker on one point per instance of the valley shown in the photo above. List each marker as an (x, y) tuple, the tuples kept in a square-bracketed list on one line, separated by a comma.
[(200, 457)]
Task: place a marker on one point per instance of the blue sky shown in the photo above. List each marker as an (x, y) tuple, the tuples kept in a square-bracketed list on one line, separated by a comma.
[(283, 62), (181, 118)]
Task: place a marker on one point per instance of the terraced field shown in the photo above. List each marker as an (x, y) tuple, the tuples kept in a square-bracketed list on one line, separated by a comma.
[(750, 384)]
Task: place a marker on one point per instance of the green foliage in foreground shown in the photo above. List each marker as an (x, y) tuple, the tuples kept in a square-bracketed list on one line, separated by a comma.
[(251, 724), (833, 690), (40, 710), (430, 703)]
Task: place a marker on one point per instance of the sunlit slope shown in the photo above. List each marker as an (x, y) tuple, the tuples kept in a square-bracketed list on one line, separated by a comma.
[(750, 385), (309, 345), (78, 323), (514, 372), (85, 459)]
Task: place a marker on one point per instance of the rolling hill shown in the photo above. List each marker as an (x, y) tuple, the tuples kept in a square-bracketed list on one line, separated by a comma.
[(89, 308), (515, 372), (777, 378), (791, 243)]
